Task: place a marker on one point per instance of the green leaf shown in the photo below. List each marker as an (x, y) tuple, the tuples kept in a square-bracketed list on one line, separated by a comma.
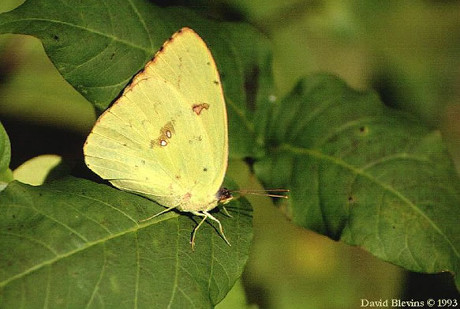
[(5, 150), (98, 46), (236, 298), (5, 156), (76, 244), (365, 174), (40, 169)]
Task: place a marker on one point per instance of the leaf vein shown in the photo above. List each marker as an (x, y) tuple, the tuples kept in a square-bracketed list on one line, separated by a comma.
[(99, 279), (83, 248), (176, 272), (32, 240), (83, 28), (321, 156)]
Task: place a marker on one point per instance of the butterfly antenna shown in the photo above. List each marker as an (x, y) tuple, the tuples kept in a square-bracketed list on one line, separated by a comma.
[(267, 192)]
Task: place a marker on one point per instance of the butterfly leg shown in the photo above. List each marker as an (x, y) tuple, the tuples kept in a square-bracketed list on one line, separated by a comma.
[(208, 215), (226, 212), (196, 213), (160, 213)]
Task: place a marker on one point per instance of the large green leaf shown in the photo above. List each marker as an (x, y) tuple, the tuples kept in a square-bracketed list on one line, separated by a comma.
[(77, 244), (365, 174), (98, 46)]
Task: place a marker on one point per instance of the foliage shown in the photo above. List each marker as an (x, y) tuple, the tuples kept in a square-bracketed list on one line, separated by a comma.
[(358, 171)]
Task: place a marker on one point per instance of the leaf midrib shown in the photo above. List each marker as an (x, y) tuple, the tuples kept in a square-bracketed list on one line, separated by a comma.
[(90, 30), (322, 156)]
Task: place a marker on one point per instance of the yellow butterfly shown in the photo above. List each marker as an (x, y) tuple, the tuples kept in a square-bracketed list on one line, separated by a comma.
[(166, 137)]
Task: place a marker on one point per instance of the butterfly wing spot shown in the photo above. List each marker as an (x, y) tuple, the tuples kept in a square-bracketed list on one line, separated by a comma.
[(205, 169), (216, 82), (168, 127), (196, 138), (166, 132), (186, 197), (158, 142), (198, 108)]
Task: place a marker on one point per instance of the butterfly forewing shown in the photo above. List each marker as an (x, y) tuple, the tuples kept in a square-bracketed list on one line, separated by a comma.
[(166, 136)]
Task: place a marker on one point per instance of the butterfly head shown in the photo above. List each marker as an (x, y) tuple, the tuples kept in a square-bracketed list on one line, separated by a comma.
[(224, 195)]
